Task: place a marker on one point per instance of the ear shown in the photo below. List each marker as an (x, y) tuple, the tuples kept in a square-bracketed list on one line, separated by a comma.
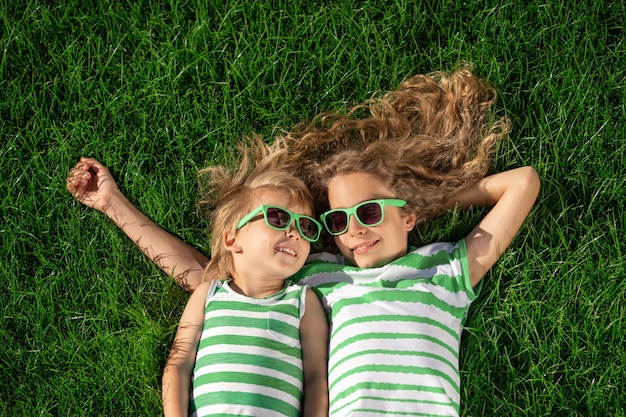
[(409, 221), (230, 241)]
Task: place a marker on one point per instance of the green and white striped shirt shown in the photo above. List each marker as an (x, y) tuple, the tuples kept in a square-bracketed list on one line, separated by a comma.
[(395, 331), (249, 360)]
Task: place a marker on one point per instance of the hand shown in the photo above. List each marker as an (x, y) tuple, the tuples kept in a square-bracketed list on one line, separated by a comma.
[(91, 183)]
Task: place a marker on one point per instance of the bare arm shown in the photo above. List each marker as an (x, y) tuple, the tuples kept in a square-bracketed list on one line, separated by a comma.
[(180, 362), (512, 195), (91, 183), (314, 336)]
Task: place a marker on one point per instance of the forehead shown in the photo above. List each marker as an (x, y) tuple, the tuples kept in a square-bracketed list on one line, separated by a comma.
[(282, 198), (348, 189)]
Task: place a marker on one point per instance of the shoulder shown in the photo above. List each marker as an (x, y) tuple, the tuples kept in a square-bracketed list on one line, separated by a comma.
[(202, 290), (440, 247), (439, 252), (439, 256)]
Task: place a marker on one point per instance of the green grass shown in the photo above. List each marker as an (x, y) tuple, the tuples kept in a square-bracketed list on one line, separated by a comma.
[(157, 90)]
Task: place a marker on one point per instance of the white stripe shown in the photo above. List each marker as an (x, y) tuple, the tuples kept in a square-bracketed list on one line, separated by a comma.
[(434, 248), (236, 410)]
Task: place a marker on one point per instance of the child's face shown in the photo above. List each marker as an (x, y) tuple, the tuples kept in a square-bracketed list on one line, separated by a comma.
[(364, 246), (260, 251)]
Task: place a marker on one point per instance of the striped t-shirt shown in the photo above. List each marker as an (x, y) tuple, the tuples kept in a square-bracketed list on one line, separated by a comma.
[(395, 331), (249, 360)]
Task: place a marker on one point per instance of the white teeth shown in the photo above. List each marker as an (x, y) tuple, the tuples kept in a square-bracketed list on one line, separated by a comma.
[(287, 250), (363, 247)]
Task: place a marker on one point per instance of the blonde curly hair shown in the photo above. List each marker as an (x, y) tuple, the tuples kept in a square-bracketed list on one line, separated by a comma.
[(427, 140)]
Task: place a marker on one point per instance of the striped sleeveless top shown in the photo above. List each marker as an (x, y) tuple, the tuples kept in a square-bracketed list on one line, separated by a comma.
[(395, 331), (249, 360)]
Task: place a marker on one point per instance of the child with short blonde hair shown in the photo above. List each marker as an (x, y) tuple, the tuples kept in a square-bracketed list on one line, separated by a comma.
[(250, 343)]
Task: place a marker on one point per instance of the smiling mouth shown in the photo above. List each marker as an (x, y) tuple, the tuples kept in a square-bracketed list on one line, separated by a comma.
[(364, 248), (287, 251)]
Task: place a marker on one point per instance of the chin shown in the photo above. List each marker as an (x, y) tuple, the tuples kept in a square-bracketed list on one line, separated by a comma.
[(368, 262)]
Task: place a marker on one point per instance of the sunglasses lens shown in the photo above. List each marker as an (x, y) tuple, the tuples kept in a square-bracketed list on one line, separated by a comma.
[(336, 222), (277, 217), (369, 214), (308, 228)]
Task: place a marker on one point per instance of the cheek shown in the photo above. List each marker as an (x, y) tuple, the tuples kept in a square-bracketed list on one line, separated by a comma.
[(343, 248), (339, 240)]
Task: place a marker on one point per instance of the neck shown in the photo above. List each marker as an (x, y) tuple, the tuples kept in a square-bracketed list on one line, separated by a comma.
[(256, 288)]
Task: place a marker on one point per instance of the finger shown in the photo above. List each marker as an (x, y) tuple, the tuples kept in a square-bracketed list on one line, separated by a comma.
[(72, 185), (79, 174), (98, 168), (73, 171), (90, 162)]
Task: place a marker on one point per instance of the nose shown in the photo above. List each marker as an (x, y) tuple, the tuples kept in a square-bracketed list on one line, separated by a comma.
[(354, 227), (292, 230)]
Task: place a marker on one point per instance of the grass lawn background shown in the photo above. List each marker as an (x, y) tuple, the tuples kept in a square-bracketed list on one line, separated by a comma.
[(157, 90)]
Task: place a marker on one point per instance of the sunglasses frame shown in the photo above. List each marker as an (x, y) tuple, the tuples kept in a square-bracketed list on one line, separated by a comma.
[(292, 217), (352, 211)]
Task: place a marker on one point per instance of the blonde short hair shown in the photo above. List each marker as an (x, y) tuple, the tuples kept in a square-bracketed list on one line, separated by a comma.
[(227, 195)]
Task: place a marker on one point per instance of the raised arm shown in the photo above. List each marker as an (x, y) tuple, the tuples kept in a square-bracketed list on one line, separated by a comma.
[(91, 183), (512, 195)]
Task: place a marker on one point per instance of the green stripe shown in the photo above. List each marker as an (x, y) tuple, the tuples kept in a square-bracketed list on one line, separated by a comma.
[(279, 326), (249, 379), (414, 297), (320, 266), (417, 260), (224, 321), (241, 398), (401, 319), (290, 369), (280, 307)]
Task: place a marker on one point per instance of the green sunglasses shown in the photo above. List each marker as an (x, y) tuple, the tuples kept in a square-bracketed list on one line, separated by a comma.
[(279, 218), (368, 213)]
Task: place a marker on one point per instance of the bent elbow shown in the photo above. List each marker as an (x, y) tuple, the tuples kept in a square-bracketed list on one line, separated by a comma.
[(530, 180)]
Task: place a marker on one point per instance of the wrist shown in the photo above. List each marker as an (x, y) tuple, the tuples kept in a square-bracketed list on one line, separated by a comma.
[(116, 207)]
